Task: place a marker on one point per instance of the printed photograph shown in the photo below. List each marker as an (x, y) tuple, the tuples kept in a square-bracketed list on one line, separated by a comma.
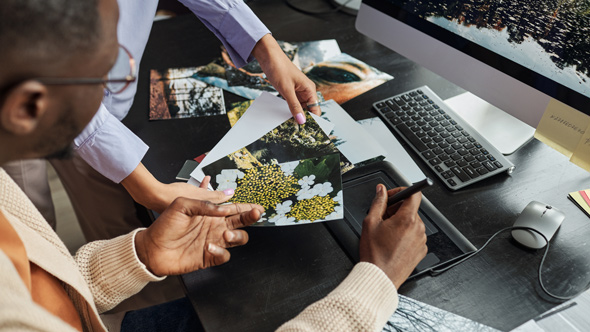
[(313, 52), (292, 193), (177, 93), (343, 77), (415, 316), (288, 141), (249, 81)]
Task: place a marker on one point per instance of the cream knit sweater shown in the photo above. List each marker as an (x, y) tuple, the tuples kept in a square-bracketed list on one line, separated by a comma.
[(104, 273)]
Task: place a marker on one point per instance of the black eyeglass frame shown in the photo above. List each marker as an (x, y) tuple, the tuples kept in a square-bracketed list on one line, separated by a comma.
[(131, 77)]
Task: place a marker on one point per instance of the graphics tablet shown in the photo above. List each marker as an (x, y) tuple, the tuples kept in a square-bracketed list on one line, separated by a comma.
[(445, 243)]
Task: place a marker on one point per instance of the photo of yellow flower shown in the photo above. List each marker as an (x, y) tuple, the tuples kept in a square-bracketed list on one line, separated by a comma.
[(295, 192)]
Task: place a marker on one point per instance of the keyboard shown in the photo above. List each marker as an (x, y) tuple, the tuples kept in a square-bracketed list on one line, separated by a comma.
[(455, 151)]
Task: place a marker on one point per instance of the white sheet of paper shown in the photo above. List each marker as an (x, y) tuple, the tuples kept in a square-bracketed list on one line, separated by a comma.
[(266, 113), (355, 143), (395, 152)]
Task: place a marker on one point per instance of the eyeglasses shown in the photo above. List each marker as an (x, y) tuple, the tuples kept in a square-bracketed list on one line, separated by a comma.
[(123, 72)]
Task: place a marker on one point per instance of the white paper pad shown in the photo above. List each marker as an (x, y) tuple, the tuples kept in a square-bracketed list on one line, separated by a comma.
[(395, 152), (354, 141)]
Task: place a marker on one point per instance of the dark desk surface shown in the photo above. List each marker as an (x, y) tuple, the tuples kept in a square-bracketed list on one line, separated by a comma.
[(282, 270)]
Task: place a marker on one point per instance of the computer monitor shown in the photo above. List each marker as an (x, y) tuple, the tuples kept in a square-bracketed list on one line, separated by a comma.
[(515, 55)]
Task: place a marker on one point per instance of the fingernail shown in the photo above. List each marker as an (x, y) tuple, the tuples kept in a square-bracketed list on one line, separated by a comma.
[(300, 118), (379, 188), (228, 192), (230, 236), (212, 248)]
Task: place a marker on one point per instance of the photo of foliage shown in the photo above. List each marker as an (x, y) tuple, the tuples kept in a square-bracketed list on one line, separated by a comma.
[(177, 93), (237, 110), (291, 193), (288, 141)]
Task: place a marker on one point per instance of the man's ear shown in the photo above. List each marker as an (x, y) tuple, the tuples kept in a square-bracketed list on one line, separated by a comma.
[(23, 107)]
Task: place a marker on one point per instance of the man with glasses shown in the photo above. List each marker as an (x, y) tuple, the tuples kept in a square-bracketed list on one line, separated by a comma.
[(56, 54), (106, 175)]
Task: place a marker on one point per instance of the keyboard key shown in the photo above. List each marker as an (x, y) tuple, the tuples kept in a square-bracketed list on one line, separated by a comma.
[(416, 142), (470, 171), (450, 163), (428, 154), (452, 182), (460, 174), (489, 166), (434, 161), (482, 170)]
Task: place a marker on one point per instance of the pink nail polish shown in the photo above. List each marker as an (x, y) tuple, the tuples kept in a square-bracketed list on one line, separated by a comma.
[(228, 192), (300, 118)]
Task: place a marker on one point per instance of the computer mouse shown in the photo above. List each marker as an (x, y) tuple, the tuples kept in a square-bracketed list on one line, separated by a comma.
[(541, 217)]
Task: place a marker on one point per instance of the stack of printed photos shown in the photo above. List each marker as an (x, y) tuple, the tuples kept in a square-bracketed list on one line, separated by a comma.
[(293, 171), (198, 91)]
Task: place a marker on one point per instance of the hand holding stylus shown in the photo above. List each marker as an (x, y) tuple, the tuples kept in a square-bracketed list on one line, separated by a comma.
[(404, 194)]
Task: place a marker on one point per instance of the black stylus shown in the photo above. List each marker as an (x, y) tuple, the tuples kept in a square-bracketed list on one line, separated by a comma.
[(409, 191)]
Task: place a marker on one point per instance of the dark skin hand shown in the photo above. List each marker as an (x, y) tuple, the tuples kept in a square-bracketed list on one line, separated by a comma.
[(192, 235), (393, 238)]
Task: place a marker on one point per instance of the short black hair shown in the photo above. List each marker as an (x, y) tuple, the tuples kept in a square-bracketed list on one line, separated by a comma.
[(48, 28)]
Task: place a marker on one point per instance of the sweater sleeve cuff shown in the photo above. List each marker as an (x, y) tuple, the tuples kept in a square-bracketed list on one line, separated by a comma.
[(372, 288), (121, 269), (130, 269)]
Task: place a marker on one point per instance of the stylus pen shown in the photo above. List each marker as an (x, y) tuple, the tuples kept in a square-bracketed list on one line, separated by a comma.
[(409, 191)]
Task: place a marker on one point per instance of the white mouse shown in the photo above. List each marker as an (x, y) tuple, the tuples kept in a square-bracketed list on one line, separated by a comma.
[(541, 217)]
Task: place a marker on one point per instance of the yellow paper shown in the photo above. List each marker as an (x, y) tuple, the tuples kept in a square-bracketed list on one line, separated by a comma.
[(579, 200), (562, 127), (581, 156)]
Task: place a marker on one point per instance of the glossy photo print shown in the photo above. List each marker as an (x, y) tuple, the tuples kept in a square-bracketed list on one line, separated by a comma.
[(177, 93), (343, 77), (249, 81), (292, 193), (288, 141)]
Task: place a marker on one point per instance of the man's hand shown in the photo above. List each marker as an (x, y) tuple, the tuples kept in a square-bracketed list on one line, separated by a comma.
[(393, 238), (192, 235), (298, 90), (155, 195)]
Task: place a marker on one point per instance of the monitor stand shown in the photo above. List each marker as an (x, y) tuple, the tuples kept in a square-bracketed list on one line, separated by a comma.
[(501, 129), (348, 6)]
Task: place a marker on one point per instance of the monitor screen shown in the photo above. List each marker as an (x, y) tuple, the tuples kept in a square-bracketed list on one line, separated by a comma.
[(514, 54)]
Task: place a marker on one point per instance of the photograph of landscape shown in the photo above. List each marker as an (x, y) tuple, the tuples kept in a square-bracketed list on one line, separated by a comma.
[(549, 37), (176, 93)]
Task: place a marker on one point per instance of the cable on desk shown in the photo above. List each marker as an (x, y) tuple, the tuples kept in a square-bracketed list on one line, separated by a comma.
[(446, 268), (309, 12)]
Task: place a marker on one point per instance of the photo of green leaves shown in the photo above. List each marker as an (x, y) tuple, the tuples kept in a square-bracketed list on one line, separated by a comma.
[(288, 141), (295, 192)]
